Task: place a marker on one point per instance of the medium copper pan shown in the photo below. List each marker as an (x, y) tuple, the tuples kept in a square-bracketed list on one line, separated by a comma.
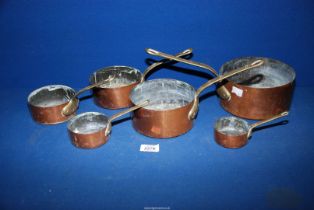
[(173, 104), (115, 95), (259, 93)]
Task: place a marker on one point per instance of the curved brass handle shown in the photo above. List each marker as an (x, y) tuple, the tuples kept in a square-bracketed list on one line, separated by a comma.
[(110, 78), (113, 117), (72, 105), (265, 121), (154, 65), (194, 108), (222, 90), (171, 57)]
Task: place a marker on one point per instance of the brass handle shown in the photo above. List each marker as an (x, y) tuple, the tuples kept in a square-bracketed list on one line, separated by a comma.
[(72, 105), (194, 108), (171, 57), (113, 117), (154, 65), (265, 121), (110, 78), (222, 90)]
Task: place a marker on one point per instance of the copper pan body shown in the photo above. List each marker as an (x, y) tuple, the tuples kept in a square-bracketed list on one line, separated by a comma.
[(259, 102), (117, 95), (157, 122), (232, 142), (83, 134), (113, 98), (45, 113), (163, 124), (88, 141)]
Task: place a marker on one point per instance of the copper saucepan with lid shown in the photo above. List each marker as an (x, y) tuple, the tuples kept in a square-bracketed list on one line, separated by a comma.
[(115, 94), (173, 104), (259, 93), (92, 129), (233, 132)]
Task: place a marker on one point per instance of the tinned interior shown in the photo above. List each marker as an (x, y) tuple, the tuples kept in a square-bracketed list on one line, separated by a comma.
[(272, 73), (232, 126), (50, 95), (163, 94), (122, 76), (88, 122)]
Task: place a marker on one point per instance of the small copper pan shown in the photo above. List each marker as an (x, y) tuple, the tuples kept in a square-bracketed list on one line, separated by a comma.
[(173, 104), (233, 132), (115, 95), (46, 103), (91, 129), (54, 104), (261, 92)]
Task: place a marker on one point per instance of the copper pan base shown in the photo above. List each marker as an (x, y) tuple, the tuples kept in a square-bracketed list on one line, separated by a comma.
[(258, 103), (231, 142), (162, 124), (113, 98), (49, 115), (88, 141)]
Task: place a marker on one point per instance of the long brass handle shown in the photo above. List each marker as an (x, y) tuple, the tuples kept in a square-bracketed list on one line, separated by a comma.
[(171, 57), (115, 116), (194, 108), (110, 78), (154, 65), (221, 91), (265, 121)]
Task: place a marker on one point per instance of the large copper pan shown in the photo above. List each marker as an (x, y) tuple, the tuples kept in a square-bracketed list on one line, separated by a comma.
[(115, 94), (259, 93), (173, 104)]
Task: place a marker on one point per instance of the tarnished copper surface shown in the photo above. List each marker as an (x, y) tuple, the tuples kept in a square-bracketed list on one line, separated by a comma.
[(113, 98), (230, 141), (163, 123), (88, 141), (48, 115), (258, 103)]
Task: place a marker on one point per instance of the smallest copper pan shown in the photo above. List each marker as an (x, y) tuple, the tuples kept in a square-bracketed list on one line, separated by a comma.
[(46, 103), (233, 132), (88, 130), (115, 94)]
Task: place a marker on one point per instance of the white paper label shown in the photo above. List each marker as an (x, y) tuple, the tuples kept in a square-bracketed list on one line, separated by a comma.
[(237, 91), (149, 148)]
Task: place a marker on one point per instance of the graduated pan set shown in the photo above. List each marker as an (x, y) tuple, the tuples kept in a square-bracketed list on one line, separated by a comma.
[(253, 88)]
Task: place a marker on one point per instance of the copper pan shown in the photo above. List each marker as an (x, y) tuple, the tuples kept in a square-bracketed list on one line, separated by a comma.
[(259, 93), (173, 104), (233, 132), (92, 129), (54, 104), (115, 95), (46, 103)]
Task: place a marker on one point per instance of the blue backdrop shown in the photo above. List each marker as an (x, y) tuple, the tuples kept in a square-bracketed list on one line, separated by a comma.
[(63, 42)]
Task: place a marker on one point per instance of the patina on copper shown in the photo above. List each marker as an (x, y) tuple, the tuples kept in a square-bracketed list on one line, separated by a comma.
[(173, 105), (46, 103), (233, 132), (261, 92)]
